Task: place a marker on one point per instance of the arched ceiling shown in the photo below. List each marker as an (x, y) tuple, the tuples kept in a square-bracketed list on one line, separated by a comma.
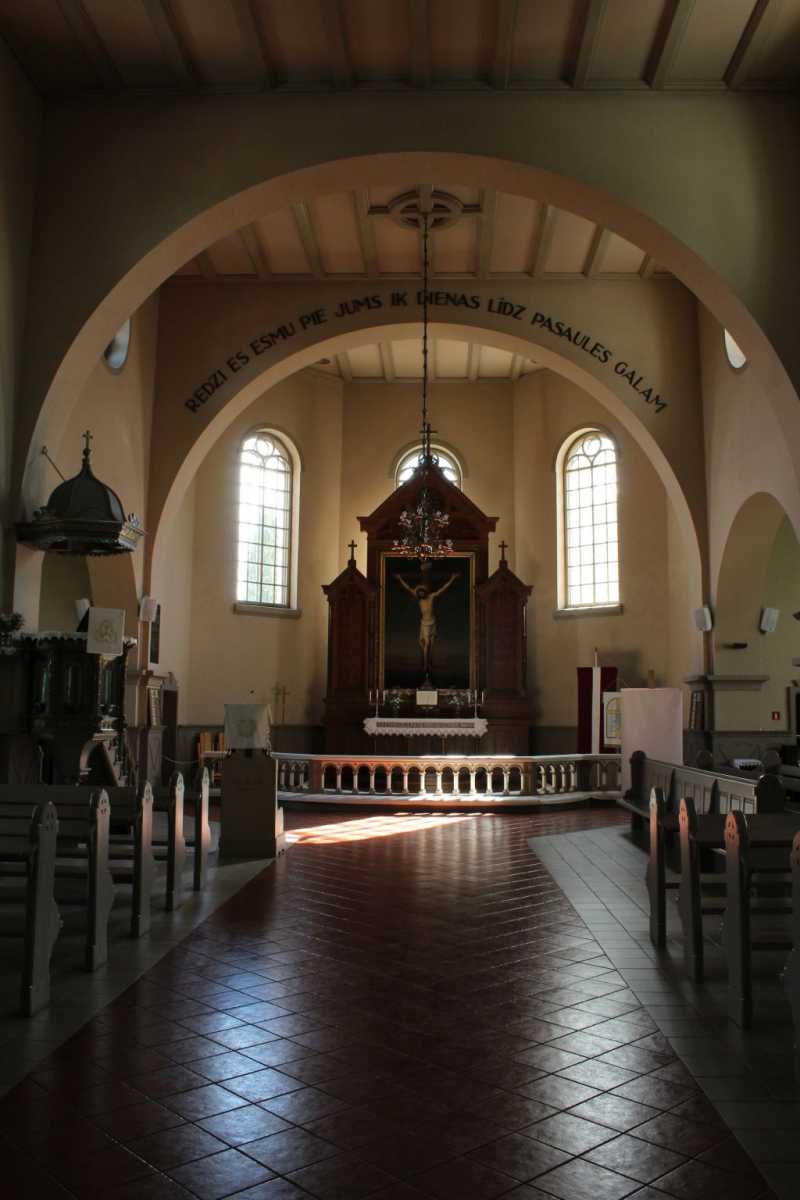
[(400, 361), (79, 46), (351, 236)]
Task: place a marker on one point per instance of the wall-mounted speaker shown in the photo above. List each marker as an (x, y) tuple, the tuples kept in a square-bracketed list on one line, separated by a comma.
[(768, 621), (703, 619)]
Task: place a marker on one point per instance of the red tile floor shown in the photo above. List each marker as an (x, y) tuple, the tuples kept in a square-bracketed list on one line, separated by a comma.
[(402, 1007)]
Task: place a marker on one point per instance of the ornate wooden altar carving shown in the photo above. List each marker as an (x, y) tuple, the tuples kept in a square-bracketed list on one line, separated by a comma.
[(497, 651)]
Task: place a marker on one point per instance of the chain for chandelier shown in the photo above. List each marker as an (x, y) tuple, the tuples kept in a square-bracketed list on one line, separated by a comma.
[(422, 528)]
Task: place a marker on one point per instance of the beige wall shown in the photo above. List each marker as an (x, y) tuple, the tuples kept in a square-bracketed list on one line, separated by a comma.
[(20, 129), (233, 656), (179, 603), (650, 633), (474, 419)]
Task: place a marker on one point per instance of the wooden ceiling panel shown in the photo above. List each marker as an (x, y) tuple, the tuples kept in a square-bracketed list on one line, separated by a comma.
[(452, 359), (334, 221), (378, 39), (625, 38), (296, 40), (284, 247), (131, 41), (455, 250), (709, 40), (494, 363), (572, 240), (229, 256), (776, 54), (462, 36), (397, 249), (213, 38), (544, 37), (47, 46), (366, 362), (515, 224), (620, 257)]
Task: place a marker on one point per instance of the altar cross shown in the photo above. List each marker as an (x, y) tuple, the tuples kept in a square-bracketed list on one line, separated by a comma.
[(280, 692)]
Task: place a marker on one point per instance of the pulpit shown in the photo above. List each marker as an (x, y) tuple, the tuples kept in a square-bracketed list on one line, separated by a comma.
[(420, 644)]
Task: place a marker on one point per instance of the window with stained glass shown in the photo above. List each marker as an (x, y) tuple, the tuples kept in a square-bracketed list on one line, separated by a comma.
[(591, 531), (265, 521), (409, 462)]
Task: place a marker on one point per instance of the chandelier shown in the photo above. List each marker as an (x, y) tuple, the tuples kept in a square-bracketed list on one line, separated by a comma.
[(423, 529)]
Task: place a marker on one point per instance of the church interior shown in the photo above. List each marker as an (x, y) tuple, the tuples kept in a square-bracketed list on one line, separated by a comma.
[(400, 630)]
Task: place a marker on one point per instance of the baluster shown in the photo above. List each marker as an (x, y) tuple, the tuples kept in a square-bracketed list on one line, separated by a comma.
[(439, 781), (506, 779), (372, 779), (338, 785), (405, 780)]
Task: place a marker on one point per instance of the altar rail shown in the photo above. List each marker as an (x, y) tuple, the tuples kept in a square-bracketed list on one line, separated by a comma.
[(448, 777)]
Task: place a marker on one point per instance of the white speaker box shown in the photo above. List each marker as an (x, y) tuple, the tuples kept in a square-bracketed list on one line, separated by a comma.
[(703, 619), (769, 620)]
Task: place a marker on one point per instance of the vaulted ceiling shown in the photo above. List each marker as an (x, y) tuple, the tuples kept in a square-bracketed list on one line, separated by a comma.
[(351, 236), (74, 46)]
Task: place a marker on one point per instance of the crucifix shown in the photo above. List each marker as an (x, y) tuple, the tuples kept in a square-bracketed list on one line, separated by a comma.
[(280, 692), (87, 445), (503, 548), (352, 548)]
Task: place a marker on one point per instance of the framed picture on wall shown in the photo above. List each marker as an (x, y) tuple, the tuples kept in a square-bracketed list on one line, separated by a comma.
[(154, 705), (432, 605)]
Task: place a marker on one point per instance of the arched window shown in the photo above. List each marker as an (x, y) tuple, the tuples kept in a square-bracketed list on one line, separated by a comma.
[(266, 492), (408, 465), (589, 529)]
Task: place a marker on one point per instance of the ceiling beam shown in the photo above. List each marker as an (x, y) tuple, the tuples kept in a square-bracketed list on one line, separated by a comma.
[(256, 250), (88, 37), (345, 368), (387, 362), (308, 237), (173, 48), (473, 361), (588, 42), (419, 20), (597, 252), (754, 38), (503, 43), (542, 238), (486, 231), (253, 42), (333, 24), (206, 265), (668, 42), (366, 233)]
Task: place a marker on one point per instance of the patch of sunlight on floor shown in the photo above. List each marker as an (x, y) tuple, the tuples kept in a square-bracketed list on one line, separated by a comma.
[(374, 827)]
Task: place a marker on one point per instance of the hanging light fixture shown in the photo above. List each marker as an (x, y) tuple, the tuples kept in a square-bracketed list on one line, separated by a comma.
[(423, 529)]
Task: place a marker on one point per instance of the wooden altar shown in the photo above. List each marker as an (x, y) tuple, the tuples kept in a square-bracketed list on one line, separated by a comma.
[(479, 657)]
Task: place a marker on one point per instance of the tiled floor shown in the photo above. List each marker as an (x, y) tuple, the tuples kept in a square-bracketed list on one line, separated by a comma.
[(403, 1007)]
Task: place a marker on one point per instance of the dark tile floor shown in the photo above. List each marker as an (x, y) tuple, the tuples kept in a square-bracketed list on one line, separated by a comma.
[(403, 1007)]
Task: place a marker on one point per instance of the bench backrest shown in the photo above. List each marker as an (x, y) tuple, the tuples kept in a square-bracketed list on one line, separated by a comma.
[(81, 812), (710, 791)]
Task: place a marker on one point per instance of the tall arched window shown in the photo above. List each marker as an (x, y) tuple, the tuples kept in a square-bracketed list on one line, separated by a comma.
[(408, 465), (265, 521), (589, 529)]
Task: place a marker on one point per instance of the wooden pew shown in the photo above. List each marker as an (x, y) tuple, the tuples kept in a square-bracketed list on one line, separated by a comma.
[(791, 974), (691, 903), (28, 909), (770, 832), (82, 854)]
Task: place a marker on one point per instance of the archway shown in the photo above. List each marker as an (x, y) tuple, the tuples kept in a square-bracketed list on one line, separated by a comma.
[(59, 370), (170, 481), (760, 570)]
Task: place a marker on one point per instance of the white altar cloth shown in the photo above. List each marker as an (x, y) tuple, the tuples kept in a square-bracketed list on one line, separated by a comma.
[(426, 726)]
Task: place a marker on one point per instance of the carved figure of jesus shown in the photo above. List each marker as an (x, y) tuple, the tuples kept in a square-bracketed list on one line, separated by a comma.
[(427, 616)]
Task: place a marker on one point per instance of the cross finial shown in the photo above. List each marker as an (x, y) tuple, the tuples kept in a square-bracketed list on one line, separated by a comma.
[(351, 546), (87, 445), (503, 548)]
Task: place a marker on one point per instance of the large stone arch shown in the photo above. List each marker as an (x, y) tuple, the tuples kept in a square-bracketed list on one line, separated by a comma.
[(168, 489), (111, 255)]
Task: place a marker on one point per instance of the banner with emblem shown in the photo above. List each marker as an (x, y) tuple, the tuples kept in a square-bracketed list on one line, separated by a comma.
[(106, 631), (247, 727)]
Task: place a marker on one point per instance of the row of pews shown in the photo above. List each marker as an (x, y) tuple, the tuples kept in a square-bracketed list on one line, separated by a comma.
[(65, 853), (730, 848)]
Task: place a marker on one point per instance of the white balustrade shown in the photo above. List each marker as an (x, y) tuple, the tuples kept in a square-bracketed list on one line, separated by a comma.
[(472, 777)]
